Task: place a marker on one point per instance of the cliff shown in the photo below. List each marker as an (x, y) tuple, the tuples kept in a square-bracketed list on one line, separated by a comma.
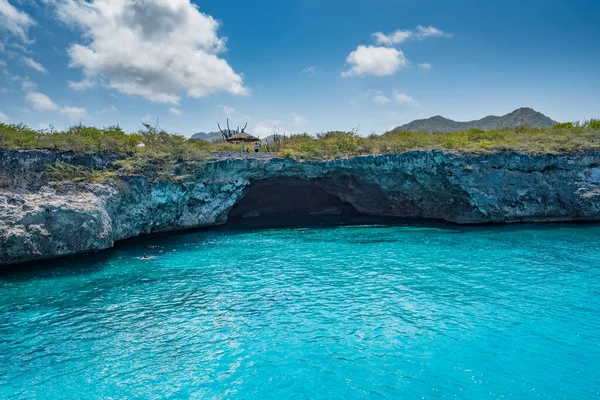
[(42, 219)]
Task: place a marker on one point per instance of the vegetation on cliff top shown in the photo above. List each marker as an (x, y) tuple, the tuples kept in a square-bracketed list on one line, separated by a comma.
[(152, 143)]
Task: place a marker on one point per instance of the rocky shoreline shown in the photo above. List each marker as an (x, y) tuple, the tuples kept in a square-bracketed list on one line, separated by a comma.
[(40, 219)]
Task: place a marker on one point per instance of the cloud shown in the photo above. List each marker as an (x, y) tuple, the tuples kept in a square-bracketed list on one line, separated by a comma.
[(228, 111), (41, 102), (156, 49), (267, 127), (404, 98), (31, 63), (297, 119), (82, 85), (4, 117), (310, 71), (175, 111), (28, 85), (74, 113), (396, 37), (425, 66), (381, 99), (14, 21), (429, 31), (378, 61), (400, 36)]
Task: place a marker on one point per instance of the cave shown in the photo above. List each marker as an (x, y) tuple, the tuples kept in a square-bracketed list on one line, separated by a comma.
[(285, 201)]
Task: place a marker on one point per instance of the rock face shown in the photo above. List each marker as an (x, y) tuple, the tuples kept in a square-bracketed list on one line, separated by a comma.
[(41, 219)]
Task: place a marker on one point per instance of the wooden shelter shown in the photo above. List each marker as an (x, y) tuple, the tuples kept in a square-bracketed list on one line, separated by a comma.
[(242, 137)]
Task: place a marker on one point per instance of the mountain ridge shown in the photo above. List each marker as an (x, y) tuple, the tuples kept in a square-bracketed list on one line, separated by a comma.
[(207, 137), (523, 116)]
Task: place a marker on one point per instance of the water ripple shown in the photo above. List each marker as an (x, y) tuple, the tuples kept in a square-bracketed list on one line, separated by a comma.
[(351, 312)]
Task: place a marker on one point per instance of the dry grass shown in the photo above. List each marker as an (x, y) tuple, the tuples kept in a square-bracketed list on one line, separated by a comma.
[(150, 143)]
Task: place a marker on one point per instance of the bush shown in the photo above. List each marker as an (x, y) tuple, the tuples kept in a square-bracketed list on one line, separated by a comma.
[(565, 125), (592, 124), (76, 173), (153, 151)]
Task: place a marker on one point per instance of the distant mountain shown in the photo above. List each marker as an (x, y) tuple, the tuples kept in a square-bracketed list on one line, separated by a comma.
[(207, 137), (520, 117), (268, 139)]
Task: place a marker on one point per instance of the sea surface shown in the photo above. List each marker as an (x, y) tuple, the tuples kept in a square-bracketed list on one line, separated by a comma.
[(343, 312)]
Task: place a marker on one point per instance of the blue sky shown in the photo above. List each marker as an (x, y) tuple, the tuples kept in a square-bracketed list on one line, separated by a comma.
[(300, 65)]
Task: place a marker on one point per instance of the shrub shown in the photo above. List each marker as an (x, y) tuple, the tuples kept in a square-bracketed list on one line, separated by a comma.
[(76, 173), (154, 152), (287, 153), (565, 125), (592, 124)]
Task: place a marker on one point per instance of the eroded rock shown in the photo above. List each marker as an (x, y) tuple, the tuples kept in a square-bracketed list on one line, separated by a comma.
[(40, 219)]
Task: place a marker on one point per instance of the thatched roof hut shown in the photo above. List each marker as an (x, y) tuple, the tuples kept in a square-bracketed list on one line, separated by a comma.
[(242, 137)]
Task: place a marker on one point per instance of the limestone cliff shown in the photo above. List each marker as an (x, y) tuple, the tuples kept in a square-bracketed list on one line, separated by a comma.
[(42, 219)]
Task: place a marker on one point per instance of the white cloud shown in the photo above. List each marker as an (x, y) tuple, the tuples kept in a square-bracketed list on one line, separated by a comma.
[(378, 61), (404, 98), (175, 111), (396, 37), (82, 85), (28, 85), (3, 117), (310, 71), (14, 21), (31, 63), (228, 111), (297, 119), (267, 127), (400, 36), (41, 102), (74, 113), (430, 31), (381, 99), (156, 49), (20, 47), (425, 66)]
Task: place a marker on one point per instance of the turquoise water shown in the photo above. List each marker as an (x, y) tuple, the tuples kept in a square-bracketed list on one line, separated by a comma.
[(341, 312)]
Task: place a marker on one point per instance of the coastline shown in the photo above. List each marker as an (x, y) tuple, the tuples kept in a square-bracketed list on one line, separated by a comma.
[(41, 219)]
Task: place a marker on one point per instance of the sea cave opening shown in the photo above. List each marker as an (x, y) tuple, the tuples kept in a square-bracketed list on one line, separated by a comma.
[(288, 201)]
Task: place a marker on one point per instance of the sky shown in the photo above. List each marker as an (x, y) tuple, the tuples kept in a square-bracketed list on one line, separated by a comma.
[(295, 66)]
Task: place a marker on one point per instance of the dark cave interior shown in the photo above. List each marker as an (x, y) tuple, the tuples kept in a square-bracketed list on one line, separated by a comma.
[(285, 198)]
